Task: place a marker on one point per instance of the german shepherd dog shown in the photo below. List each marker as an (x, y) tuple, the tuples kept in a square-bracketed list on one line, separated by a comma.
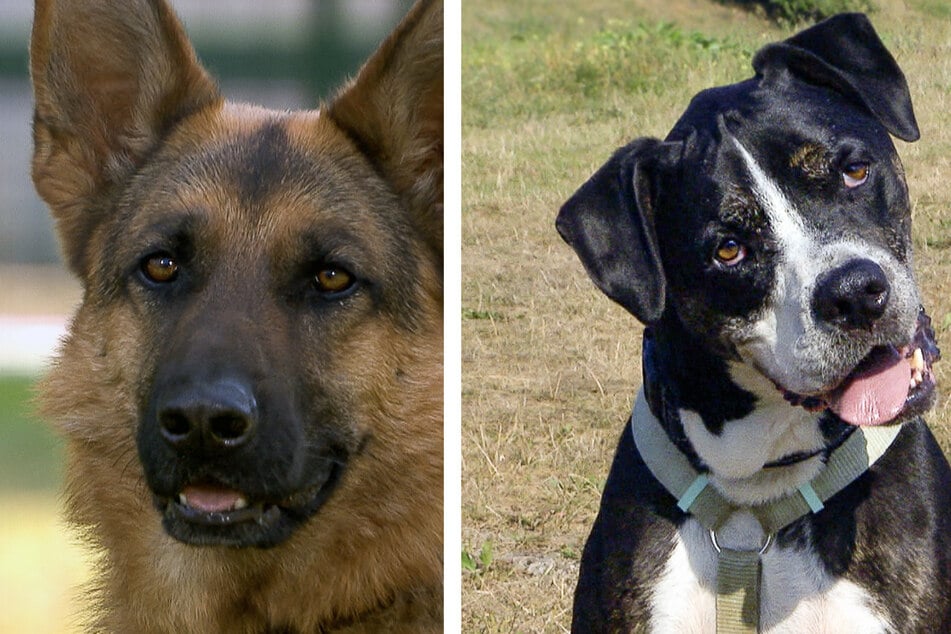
[(251, 388)]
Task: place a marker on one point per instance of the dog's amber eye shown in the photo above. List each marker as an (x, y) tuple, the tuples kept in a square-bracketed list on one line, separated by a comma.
[(333, 279), (855, 174), (160, 268), (730, 252)]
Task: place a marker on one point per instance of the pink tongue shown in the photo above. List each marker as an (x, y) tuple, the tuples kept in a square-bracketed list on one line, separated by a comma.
[(876, 395), (211, 499)]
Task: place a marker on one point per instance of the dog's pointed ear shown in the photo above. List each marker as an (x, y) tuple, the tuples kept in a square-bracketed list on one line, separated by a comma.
[(393, 111), (845, 54), (609, 222), (110, 78)]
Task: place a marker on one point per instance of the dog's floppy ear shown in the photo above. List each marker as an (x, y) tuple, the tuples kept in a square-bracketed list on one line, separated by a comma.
[(845, 54), (609, 222), (393, 111), (110, 78)]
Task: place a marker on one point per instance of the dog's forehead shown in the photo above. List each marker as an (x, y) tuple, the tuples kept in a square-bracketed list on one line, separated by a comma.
[(256, 154), (796, 136), (773, 120), (243, 167)]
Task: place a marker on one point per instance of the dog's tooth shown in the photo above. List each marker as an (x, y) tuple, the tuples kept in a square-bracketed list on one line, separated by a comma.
[(918, 360), (182, 499), (240, 503)]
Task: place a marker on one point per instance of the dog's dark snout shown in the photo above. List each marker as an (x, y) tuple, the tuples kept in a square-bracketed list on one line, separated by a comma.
[(854, 296), (207, 417)]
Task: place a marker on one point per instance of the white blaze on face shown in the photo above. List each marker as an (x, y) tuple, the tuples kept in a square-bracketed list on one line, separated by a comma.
[(777, 343), (787, 224)]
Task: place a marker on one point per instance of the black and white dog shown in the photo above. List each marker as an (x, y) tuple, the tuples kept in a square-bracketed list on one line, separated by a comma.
[(766, 245)]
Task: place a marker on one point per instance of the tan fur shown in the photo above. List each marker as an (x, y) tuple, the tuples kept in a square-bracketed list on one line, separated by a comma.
[(121, 102)]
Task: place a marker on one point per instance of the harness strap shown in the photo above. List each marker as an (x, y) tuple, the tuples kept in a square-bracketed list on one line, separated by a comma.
[(738, 580), (739, 572)]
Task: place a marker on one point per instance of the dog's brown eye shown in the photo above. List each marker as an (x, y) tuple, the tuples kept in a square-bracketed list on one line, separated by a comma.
[(333, 279), (730, 252), (160, 268), (855, 174)]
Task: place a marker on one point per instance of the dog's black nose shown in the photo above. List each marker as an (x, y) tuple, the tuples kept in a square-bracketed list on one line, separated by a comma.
[(853, 296), (207, 417)]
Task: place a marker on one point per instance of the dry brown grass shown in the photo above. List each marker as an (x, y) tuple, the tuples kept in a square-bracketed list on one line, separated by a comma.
[(550, 365)]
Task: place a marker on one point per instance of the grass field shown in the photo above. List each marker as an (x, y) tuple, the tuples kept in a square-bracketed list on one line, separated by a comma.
[(549, 365)]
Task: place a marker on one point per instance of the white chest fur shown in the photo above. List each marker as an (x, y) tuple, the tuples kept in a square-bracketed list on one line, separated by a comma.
[(797, 595)]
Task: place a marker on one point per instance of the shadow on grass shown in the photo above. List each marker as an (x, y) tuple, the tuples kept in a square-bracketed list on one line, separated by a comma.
[(800, 11)]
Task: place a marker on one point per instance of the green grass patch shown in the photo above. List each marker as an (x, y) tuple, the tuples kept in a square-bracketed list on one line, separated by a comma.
[(478, 563), (529, 69), (472, 313), (935, 8), (30, 455)]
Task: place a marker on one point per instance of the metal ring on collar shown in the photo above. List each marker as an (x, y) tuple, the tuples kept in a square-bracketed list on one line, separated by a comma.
[(762, 551)]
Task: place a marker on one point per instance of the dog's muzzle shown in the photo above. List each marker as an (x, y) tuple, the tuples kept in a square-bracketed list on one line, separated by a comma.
[(890, 385)]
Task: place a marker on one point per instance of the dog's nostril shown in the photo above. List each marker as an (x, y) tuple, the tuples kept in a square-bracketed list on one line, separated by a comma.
[(175, 426), (876, 287), (228, 428), (839, 309)]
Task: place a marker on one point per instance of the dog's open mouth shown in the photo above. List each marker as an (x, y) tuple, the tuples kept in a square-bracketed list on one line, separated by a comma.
[(209, 513), (216, 505), (889, 385)]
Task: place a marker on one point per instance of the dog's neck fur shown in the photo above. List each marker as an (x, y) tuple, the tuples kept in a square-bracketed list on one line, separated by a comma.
[(730, 421)]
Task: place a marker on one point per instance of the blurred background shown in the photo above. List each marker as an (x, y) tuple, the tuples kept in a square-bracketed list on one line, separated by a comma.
[(283, 54)]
